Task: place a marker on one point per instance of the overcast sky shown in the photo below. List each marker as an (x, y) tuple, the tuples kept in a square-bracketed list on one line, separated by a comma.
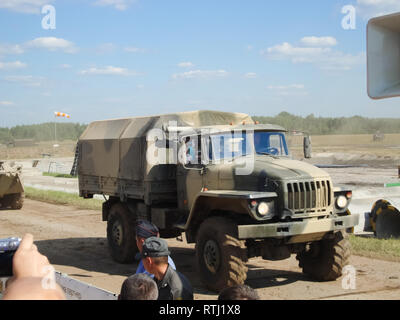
[(102, 59)]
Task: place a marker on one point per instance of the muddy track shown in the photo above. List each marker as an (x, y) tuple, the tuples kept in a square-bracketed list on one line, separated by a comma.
[(75, 242)]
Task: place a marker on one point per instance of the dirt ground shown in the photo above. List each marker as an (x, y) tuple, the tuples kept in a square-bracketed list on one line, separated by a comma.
[(75, 242)]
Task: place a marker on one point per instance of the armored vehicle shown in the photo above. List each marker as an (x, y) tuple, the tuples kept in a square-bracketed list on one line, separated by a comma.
[(225, 181), (11, 188)]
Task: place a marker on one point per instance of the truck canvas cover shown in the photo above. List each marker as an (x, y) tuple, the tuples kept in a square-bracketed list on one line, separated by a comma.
[(115, 152)]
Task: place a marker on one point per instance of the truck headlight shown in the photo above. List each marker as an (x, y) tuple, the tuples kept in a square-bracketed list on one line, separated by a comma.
[(341, 202), (264, 208)]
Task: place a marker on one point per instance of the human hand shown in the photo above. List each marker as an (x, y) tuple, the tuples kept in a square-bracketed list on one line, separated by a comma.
[(28, 261)]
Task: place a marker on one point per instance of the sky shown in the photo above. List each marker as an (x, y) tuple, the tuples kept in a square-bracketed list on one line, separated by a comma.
[(102, 59)]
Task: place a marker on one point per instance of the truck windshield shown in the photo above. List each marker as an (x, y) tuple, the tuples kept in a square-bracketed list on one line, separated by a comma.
[(232, 145)]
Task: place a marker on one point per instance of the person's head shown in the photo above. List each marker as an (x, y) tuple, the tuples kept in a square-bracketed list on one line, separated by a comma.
[(145, 229), (238, 292), (155, 254), (139, 287)]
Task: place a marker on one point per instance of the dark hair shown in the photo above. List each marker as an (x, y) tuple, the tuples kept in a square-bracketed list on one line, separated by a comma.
[(139, 287), (238, 292), (160, 260)]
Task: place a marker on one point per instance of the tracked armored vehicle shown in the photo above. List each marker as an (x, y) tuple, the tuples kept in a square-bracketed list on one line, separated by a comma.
[(225, 181), (11, 187)]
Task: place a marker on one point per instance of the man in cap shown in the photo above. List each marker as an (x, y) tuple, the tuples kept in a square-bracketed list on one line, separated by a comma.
[(172, 285), (144, 230)]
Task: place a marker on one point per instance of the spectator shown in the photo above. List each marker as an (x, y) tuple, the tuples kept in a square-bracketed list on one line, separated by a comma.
[(140, 286), (238, 292), (172, 285), (144, 230), (31, 274)]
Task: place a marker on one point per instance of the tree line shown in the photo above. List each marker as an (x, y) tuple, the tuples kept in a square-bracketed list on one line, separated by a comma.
[(325, 126), (311, 124), (42, 132)]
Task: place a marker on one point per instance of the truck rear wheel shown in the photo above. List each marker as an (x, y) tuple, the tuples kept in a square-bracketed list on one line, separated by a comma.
[(121, 234), (325, 259), (14, 201), (220, 255)]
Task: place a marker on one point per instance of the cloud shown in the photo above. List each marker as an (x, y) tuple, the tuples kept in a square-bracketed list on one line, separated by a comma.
[(135, 50), (289, 90), (6, 103), (325, 58), (52, 44), (296, 54), (200, 74), (372, 8), (12, 65), (29, 81), (292, 86), (185, 65), (105, 48), (6, 49), (250, 75), (65, 66), (24, 6), (120, 5), (319, 41), (109, 70)]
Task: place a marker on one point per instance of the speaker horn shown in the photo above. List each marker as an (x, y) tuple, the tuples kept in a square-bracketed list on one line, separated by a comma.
[(383, 56)]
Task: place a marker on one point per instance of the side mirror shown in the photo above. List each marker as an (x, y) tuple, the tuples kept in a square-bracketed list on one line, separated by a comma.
[(307, 147)]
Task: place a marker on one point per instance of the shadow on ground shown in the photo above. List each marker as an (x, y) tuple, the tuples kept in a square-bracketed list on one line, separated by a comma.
[(92, 255)]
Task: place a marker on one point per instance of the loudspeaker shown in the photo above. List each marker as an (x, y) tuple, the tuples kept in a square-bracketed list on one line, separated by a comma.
[(383, 56)]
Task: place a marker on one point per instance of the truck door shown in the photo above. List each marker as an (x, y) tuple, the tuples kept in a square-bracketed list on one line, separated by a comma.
[(190, 172)]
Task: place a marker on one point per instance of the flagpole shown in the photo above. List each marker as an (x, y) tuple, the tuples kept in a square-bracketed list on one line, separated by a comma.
[(55, 128)]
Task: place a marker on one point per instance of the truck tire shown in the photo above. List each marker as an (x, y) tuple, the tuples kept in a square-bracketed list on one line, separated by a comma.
[(17, 201), (220, 255), (325, 259), (121, 234), (14, 201)]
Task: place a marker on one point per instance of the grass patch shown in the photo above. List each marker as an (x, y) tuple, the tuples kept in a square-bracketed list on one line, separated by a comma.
[(58, 175), (376, 248), (62, 198)]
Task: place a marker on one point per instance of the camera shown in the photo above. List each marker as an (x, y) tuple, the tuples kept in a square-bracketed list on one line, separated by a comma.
[(8, 246)]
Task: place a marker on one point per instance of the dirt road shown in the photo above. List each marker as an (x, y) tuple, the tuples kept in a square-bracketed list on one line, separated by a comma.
[(75, 243)]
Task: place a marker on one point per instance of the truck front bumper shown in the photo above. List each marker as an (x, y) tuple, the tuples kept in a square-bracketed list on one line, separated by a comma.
[(288, 229)]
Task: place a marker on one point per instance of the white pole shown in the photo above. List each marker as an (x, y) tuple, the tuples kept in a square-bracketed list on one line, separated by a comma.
[(55, 129)]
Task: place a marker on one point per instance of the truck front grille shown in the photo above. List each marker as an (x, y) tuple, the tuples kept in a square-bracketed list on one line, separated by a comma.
[(310, 196)]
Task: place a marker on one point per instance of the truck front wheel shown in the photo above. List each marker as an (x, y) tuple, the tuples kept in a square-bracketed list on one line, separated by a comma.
[(220, 255), (121, 234), (325, 259)]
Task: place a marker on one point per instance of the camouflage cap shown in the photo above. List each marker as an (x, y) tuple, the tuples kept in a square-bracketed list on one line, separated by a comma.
[(155, 247)]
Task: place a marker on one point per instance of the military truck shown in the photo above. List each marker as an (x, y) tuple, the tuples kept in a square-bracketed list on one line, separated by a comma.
[(11, 187), (225, 181)]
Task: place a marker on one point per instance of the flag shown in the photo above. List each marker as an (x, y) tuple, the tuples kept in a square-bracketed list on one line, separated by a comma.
[(61, 114)]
